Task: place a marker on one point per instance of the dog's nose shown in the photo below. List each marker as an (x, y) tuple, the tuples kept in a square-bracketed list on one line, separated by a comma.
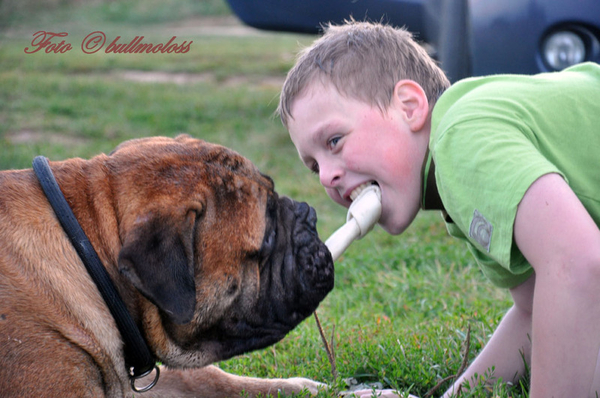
[(305, 229), (306, 214), (301, 209)]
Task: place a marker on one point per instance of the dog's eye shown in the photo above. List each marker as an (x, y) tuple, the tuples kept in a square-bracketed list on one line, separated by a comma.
[(269, 240), (268, 243)]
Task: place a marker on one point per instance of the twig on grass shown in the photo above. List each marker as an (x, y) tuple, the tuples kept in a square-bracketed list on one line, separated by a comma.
[(329, 347), (463, 366)]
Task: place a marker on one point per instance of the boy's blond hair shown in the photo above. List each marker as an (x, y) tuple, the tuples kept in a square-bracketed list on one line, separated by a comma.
[(364, 61)]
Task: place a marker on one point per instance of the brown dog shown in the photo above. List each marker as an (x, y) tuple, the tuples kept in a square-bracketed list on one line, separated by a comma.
[(209, 261)]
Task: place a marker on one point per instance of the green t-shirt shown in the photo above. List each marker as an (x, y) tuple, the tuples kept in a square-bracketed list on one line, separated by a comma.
[(492, 137)]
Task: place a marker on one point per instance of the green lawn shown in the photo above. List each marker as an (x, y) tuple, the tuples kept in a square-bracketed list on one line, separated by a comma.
[(401, 307)]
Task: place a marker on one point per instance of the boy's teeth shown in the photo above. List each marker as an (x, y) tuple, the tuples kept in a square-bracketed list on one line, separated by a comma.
[(359, 189)]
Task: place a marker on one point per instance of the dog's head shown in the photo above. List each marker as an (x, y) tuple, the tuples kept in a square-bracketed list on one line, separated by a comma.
[(224, 264)]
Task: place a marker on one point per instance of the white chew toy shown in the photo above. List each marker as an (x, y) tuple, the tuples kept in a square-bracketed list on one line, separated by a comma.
[(363, 214)]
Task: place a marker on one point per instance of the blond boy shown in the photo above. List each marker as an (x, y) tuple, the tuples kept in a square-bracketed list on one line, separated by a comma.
[(513, 163)]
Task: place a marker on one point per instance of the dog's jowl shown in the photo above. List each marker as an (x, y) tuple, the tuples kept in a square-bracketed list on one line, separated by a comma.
[(208, 261)]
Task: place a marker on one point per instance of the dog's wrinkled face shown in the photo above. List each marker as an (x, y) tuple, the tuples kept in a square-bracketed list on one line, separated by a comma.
[(226, 265)]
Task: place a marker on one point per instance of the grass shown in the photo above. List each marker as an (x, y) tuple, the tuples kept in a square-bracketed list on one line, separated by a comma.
[(401, 306)]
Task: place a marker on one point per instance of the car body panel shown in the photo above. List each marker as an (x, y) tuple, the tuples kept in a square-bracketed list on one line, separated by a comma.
[(488, 36)]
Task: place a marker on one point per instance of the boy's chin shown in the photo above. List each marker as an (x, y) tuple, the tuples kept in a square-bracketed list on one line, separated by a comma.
[(394, 227), (394, 231)]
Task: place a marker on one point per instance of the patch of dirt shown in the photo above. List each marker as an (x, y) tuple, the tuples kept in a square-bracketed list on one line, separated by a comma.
[(34, 137), (214, 26), (163, 77), (191, 78)]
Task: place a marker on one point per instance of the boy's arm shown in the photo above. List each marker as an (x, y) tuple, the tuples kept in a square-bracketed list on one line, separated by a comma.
[(562, 242), (509, 348)]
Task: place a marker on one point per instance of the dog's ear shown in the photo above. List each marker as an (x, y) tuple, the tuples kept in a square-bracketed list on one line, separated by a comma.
[(158, 258)]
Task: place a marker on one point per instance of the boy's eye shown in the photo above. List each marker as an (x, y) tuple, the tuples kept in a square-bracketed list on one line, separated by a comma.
[(333, 142)]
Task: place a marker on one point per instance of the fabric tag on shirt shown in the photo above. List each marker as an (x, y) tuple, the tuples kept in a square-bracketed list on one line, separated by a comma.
[(481, 230)]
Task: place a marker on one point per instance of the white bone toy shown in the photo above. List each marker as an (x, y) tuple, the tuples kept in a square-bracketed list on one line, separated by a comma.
[(363, 214)]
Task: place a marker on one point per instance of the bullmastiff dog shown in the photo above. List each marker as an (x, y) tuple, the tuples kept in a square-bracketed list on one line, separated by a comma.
[(208, 260)]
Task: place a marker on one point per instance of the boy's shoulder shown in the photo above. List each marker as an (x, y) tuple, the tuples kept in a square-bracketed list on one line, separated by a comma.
[(474, 97), (585, 72)]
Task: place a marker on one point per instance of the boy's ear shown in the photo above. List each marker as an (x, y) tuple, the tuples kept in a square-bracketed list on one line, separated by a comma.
[(410, 98)]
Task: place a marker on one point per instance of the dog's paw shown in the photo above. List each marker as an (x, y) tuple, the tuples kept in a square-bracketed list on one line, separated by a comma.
[(299, 384)]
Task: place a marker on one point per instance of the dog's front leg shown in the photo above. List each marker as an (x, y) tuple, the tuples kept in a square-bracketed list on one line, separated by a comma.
[(211, 381)]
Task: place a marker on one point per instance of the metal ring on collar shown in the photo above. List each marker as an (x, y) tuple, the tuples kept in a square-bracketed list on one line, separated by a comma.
[(149, 386)]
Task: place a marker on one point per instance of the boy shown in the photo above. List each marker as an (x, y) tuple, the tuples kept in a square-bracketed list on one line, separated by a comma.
[(512, 162)]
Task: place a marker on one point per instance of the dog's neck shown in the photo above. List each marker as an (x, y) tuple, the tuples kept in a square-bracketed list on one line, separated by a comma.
[(87, 191), (137, 353), (87, 186)]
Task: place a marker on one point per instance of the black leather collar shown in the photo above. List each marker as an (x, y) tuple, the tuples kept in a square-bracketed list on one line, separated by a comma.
[(139, 360)]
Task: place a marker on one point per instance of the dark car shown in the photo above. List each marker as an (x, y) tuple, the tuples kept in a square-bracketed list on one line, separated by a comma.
[(468, 37)]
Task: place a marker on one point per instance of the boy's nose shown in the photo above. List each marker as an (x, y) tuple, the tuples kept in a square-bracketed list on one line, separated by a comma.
[(329, 176)]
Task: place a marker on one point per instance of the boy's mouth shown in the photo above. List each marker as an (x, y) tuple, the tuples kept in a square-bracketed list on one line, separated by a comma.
[(354, 194)]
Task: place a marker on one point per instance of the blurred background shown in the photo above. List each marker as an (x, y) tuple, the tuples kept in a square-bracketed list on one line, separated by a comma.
[(468, 37)]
